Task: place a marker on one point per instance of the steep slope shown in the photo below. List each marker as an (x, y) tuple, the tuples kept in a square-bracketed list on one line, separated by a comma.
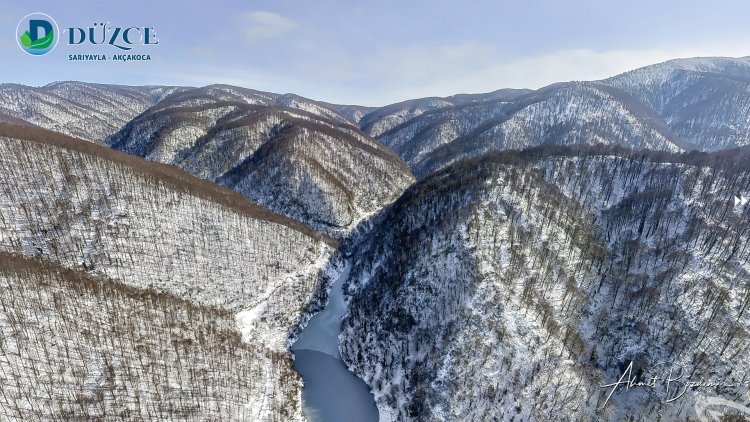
[(305, 162), (566, 113), (517, 284), (153, 227), (84, 110), (705, 101)]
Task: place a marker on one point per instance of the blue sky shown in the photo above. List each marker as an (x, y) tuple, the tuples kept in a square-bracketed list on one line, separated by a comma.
[(378, 52)]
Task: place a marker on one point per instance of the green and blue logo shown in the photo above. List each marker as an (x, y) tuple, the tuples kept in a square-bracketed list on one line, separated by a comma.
[(37, 34)]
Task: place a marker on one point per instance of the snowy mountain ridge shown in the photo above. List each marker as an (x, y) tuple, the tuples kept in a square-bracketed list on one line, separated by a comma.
[(297, 158), (679, 105), (84, 110)]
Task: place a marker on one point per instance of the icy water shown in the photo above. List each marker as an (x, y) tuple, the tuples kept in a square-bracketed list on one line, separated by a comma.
[(331, 393)]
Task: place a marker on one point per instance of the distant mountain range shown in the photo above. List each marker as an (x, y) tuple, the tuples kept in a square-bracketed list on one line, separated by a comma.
[(679, 105)]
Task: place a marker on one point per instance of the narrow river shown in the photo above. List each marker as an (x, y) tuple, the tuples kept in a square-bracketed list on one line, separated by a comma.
[(331, 393)]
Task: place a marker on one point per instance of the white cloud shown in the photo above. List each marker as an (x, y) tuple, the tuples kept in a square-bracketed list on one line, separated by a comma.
[(260, 25), (446, 70)]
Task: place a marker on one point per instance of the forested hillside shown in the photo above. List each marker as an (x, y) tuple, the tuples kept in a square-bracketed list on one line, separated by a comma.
[(295, 156), (517, 284), (192, 262)]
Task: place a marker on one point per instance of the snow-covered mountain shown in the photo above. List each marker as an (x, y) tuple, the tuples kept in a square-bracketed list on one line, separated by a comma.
[(508, 283), (210, 288), (84, 110), (297, 157), (680, 105), (705, 101), (513, 286)]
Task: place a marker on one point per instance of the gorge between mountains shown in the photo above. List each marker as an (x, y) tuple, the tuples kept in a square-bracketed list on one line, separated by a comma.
[(222, 253)]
